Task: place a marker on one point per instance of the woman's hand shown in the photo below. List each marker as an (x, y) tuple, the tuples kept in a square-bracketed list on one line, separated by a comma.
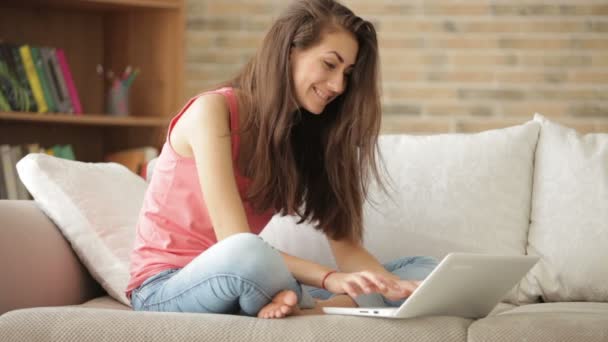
[(406, 288), (358, 283)]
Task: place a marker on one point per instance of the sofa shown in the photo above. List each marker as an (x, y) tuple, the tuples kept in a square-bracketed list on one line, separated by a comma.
[(539, 188)]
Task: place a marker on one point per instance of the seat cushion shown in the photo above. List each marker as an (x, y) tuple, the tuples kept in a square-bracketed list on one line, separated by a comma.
[(105, 302), (562, 307), (545, 322), (87, 324), (500, 308)]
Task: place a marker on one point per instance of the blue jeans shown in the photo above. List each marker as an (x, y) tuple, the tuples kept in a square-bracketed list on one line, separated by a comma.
[(240, 275)]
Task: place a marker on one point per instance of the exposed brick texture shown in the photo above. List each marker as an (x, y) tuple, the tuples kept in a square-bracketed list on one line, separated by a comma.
[(447, 66)]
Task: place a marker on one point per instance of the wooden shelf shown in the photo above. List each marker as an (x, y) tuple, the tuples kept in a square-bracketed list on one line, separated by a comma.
[(86, 119), (145, 34)]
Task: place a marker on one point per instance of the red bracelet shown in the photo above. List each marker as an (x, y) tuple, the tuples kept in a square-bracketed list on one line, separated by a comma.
[(325, 277)]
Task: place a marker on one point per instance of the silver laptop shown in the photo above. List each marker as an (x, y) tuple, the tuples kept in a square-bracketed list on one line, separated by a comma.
[(463, 284)]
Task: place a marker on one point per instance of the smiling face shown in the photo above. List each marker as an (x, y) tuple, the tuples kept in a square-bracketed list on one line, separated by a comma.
[(320, 73)]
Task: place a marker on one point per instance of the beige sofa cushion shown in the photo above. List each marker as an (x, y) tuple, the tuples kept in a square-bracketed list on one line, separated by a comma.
[(105, 302), (95, 205), (569, 228), (452, 192), (545, 322), (92, 325)]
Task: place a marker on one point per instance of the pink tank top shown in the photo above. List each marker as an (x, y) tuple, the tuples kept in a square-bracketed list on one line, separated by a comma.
[(174, 225)]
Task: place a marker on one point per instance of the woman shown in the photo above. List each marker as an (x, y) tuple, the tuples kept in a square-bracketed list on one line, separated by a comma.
[(294, 133)]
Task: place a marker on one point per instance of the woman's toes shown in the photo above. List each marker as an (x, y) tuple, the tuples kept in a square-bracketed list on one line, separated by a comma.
[(283, 304)]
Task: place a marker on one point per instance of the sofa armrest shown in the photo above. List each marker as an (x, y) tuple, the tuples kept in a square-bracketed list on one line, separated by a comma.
[(37, 264)]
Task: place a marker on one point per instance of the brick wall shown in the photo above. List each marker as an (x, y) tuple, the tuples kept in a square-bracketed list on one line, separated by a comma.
[(447, 65)]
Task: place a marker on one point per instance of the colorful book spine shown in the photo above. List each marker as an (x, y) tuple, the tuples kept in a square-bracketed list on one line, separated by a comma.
[(44, 80), (4, 106), (10, 177), (47, 65), (32, 77), (3, 191), (67, 75), (16, 155), (53, 83), (11, 86), (22, 78), (49, 56), (63, 151), (7, 84)]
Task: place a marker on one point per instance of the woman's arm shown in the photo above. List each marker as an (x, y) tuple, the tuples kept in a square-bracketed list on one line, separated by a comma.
[(305, 271), (206, 127), (353, 257)]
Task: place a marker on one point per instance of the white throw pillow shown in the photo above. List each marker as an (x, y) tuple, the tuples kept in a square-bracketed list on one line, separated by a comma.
[(569, 228), (451, 192), (95, 205)]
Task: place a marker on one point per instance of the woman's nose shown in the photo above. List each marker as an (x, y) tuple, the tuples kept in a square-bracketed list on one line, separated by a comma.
[(336, 83)]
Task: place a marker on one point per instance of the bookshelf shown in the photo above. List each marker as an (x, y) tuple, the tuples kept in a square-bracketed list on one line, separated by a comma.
[(147, 34)]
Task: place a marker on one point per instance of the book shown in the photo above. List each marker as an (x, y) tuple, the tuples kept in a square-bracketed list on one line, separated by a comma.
[(52, 80), (32, 77), (10, 175), (16, 155), (63, 151), (135, 159), (19, 70), (50, 59), (45, 82), (9, 84), (3, 194), (4, 106), (33, 148), (69, 81)]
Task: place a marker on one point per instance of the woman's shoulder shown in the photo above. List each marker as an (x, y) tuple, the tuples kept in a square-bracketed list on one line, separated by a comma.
[(208, 113), (207, 109), (209, 103)]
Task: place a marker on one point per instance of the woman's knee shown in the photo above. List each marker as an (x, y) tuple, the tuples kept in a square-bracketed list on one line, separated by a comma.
[(241, 240), (413, 260), (426, 261), (247, 245), (249, 252), (413, 268)]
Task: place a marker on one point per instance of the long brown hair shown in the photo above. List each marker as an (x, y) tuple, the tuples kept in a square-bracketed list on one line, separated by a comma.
[(315, 166)]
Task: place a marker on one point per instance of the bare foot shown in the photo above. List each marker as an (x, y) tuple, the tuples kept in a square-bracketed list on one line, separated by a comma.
[(282, 305), (344, 301)]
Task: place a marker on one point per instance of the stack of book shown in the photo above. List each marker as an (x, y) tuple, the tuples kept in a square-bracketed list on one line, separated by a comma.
[(10, 185), (36, 79)]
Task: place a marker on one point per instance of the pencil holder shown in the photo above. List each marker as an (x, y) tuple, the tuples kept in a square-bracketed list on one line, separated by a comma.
[(117, 102)]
